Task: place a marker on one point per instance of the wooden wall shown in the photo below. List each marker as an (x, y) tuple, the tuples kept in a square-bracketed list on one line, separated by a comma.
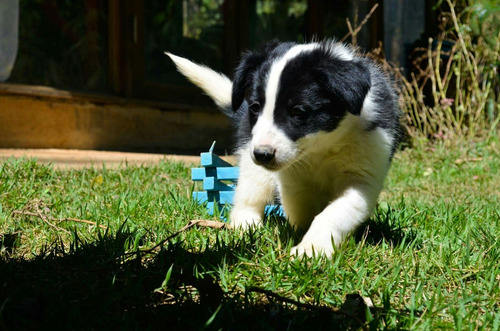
[(40, 117)]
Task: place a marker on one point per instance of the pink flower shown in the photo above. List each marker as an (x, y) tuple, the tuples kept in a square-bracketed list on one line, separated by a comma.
[(447, 102)]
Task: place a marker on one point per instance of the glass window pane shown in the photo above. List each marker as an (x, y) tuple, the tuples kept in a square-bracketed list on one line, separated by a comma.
[(62, 44), (190, 28), (335, 13), (276, 19)]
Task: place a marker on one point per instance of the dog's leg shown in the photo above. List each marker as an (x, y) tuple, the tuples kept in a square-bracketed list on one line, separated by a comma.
[(255, 188), (337, 220), (300, 202)]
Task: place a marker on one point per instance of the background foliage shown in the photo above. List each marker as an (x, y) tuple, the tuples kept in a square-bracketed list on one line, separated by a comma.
[(453, 91)]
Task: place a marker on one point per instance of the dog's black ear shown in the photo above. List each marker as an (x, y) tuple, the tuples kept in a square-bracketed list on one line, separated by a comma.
[(348, 82), (242, 77), (245, 70)]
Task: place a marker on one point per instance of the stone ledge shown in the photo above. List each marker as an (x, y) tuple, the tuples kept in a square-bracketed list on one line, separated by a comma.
[(79, 159)]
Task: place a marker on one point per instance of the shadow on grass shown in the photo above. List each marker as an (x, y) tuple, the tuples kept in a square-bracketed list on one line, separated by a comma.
[(95, 286), (386, 226)]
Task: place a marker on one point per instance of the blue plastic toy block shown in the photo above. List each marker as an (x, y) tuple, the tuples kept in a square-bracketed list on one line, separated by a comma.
[(219, 178)]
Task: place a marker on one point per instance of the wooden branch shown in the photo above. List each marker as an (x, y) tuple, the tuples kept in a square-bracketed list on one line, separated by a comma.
[(67, 219), (70, 219), (42, 217), (355, 32), (189, 225), (270, 294)]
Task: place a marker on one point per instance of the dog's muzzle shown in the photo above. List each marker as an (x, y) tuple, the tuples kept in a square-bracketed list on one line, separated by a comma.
[(264, 154)]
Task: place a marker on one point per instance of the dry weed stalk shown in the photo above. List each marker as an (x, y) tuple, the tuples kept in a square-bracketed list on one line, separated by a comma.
[(463, 82)]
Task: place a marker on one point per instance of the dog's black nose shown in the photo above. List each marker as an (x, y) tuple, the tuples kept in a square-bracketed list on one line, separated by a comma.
[(264, 154)]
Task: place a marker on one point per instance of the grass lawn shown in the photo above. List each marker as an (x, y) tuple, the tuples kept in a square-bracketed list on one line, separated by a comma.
[(428, 258)]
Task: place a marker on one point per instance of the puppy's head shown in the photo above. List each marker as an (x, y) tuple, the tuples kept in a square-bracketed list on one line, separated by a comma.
[(289, 92)]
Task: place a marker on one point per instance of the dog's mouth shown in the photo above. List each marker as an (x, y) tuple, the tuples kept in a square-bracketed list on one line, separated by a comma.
[(296, 162), (272, 165)]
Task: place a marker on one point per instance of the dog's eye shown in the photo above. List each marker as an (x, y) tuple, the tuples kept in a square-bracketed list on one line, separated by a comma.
[(299, 111), (254, 107)]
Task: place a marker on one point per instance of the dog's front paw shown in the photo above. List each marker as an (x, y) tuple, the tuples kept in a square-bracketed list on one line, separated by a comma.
[(245, 218), (321, 239), (312, 249), (318, 244)]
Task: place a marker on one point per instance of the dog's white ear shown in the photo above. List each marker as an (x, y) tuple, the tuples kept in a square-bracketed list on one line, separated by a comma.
[(216, 85)]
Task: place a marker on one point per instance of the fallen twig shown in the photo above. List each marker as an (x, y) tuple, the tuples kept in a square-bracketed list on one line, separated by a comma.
[(58, 220), (71, 219), (42, 217), (189, 225), (270, 294), (354, 32), (470, 159)]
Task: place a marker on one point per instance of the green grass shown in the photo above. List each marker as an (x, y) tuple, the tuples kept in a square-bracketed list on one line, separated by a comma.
[(428, 258)]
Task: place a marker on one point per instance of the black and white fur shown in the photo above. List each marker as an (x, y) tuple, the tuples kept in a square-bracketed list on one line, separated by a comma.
[(316, 124)]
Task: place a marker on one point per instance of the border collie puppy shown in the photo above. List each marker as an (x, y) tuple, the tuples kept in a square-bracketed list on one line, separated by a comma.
[(317, 125)]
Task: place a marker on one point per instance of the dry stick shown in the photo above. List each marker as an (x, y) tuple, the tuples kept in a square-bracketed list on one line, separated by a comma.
[(448, 116), (278, 297), (45, 218), (358, 28), (354, 39), (467, 54), (471, 64), (285, 299), (42, 217), (448, 65), (190, 224), (70, 219)]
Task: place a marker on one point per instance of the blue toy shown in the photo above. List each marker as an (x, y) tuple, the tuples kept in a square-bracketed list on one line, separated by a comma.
[(219, 178)]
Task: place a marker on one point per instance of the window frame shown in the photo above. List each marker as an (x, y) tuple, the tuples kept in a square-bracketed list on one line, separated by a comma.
[(127, 59)]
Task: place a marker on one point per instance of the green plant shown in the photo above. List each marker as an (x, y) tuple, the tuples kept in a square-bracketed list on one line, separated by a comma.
[(428, 258), (455, 92)]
